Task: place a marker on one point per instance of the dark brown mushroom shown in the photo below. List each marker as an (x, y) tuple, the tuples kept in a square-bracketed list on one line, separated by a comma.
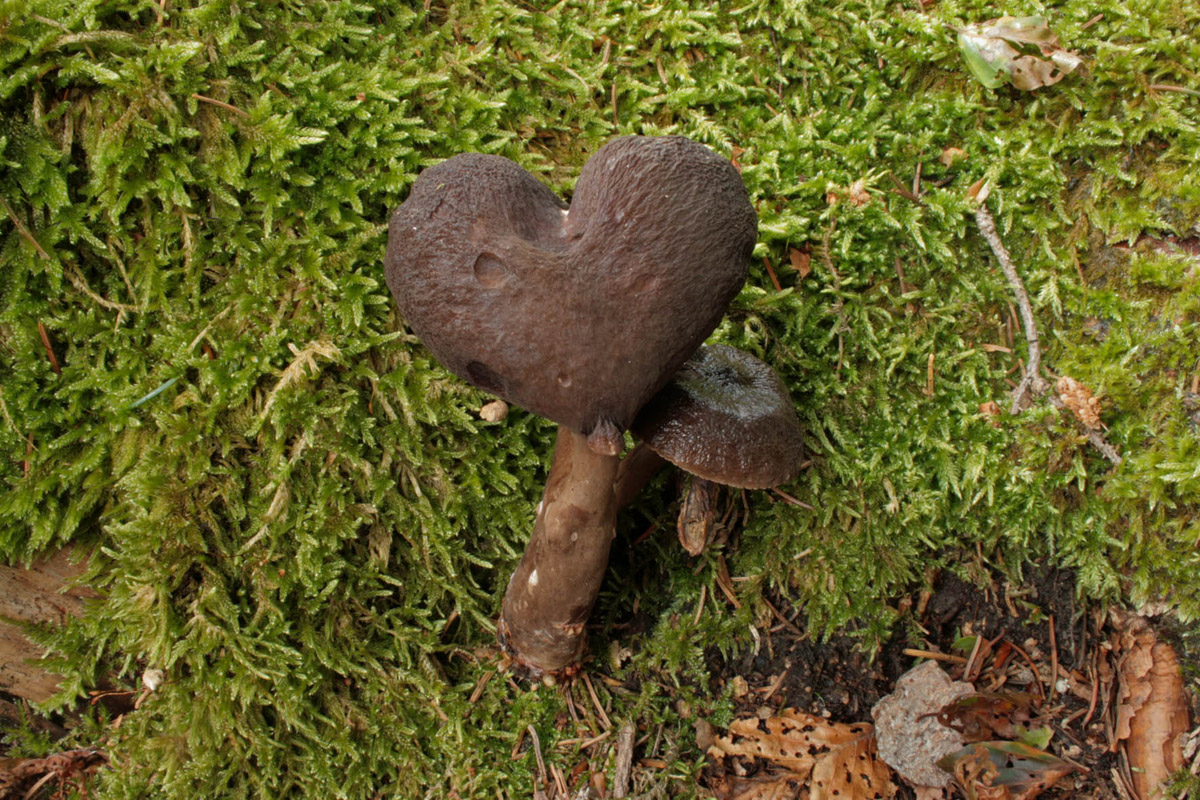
[(580, 315), (726, 417)]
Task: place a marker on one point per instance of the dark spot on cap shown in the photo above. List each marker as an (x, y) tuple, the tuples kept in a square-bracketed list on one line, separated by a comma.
[(483, 377)]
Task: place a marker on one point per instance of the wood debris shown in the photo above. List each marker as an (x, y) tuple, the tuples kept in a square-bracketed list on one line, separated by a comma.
[(1152, 706)]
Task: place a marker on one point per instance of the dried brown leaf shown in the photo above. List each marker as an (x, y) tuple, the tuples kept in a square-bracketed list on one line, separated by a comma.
[(951, 155), (1005, 770), (801, 262), (994, 53), (697, 522), (989, 715), (797, 755)]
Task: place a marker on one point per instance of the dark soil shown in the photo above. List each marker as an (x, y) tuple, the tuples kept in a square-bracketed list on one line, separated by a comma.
[(1026, 631)]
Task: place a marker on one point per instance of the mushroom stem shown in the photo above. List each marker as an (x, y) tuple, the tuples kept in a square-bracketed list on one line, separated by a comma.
[(637, 468), (551, 593)]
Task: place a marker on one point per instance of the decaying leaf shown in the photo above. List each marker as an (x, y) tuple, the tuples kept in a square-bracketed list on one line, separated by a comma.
[(856, 194), (951, 155), (1152, 707), (796, 756), (989, 715), (1078, 398), (991, 410), (1000, 51), (697, 523), (801, 262), (1004, 770)]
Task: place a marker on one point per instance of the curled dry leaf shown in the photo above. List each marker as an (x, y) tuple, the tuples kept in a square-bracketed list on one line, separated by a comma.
[(797, 755), (801, 262), (951, 155), (697, 522), (989, 715), (999, 51), (1152, 705), (1078, 398), (856, 193), (991, 410), (1004, 770)]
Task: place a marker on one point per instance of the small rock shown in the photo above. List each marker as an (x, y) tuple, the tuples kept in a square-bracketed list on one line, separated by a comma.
[(494, 411), (910, 738)]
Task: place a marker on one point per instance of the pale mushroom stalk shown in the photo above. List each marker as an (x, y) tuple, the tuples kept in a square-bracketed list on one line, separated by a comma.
[(551, 593)]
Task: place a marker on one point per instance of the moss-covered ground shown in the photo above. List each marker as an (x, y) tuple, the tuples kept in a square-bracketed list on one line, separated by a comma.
[(297, 514)]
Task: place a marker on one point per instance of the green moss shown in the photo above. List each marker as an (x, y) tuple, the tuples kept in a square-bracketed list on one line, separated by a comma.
[(309, 529)]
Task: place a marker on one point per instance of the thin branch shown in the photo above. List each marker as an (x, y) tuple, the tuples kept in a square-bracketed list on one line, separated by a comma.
[(21, 229), (1032, 381), (49, 348), (78, 281), (220, 104)]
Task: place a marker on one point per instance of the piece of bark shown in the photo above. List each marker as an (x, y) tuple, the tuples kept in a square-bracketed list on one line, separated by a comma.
[(1152, 705), (36, 595)]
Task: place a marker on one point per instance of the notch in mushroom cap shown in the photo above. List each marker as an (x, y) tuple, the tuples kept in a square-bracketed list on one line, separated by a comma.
[(726, 417)]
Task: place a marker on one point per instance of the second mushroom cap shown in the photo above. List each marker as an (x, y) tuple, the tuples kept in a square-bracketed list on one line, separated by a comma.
[(726, 417)]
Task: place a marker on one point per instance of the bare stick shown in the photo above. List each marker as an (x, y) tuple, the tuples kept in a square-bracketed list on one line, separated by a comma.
[(21, 229), (221, 104), (624, 759), (1032, 381)]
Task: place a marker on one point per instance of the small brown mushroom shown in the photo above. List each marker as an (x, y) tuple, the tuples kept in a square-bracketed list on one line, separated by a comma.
[(580, 315), (726, 417)]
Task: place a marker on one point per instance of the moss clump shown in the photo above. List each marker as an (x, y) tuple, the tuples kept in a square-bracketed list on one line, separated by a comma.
[(297, 514)]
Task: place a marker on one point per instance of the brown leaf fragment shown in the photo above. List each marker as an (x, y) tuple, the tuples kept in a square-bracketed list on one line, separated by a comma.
[(1001, 50), (1005, 770), (801, 262), (697, 522), (989, 715), (991, 410), (1152, 705), (797, 755), (1078, 398), (951, 155), (857, 193)]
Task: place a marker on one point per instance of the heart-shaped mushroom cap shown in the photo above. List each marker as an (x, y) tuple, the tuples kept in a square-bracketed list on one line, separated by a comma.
[(582, 316)]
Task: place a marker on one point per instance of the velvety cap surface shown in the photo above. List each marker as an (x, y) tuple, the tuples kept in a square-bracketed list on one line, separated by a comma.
[(726, 416), (581, 315)]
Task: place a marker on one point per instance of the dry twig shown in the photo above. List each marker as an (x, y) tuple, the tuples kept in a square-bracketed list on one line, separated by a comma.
[(1032, 382), (624, 759)]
